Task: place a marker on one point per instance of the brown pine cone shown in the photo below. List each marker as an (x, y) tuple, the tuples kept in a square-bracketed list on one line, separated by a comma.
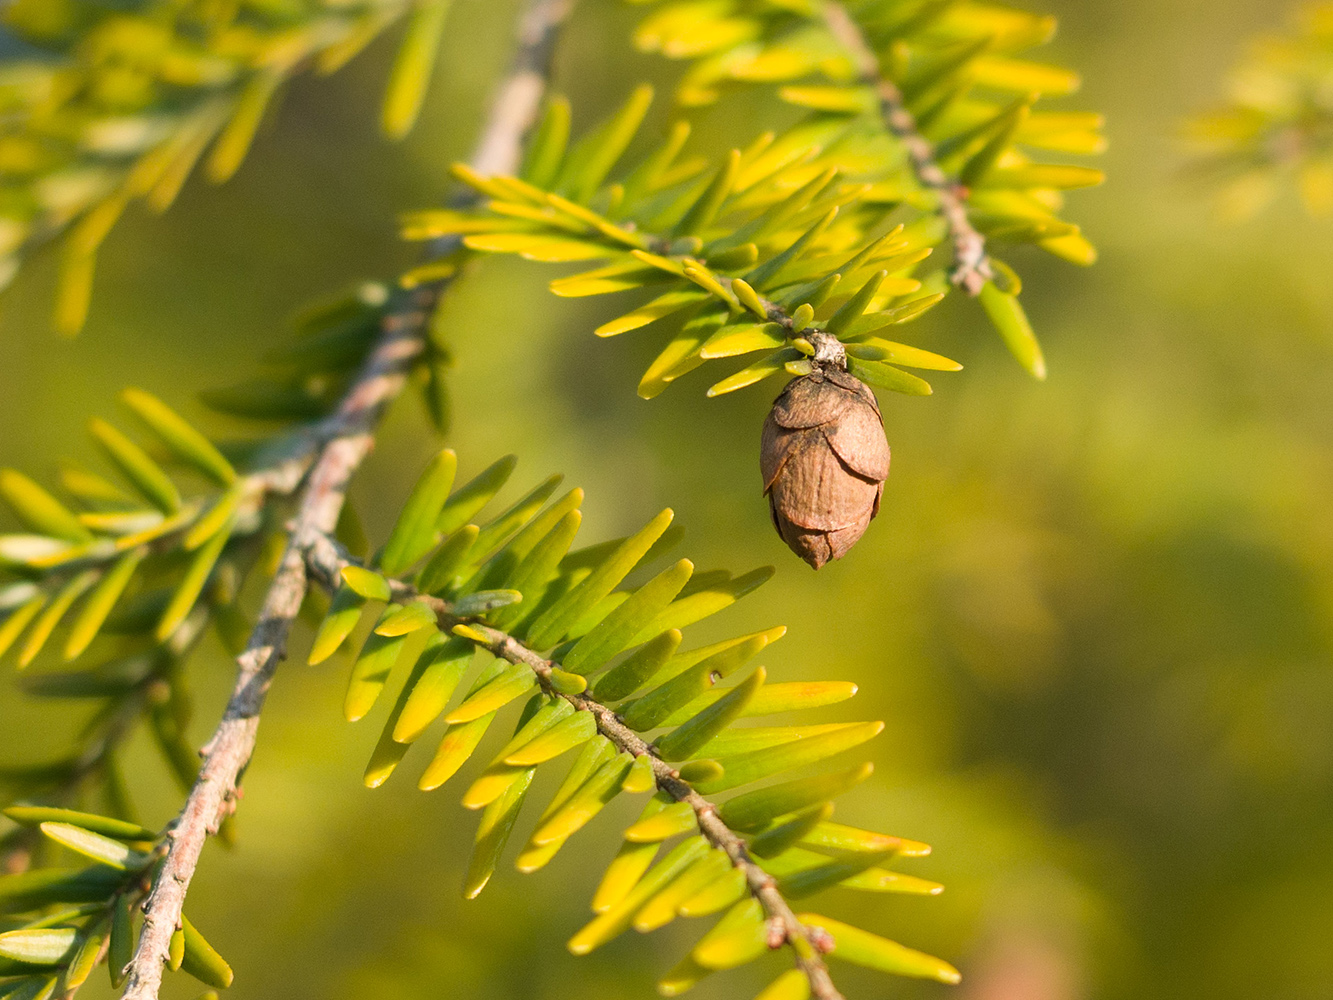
[(824, 458)]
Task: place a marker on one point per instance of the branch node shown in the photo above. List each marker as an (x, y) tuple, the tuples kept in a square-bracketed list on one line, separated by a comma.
[(821, 939)]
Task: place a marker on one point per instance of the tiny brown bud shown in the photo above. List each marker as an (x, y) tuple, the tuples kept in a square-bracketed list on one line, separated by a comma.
[(824, 459), (821, 939)]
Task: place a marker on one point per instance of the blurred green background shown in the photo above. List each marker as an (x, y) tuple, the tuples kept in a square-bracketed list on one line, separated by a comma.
[(1094, 613)]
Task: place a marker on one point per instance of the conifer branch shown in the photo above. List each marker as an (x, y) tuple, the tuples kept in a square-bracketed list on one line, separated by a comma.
[(347, 437), (198, 110), (971, 269), (228, 751), (326, 561), (780, 250), (784, 927)]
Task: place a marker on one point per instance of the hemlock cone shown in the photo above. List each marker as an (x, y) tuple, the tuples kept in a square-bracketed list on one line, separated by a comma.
[(824, 459)]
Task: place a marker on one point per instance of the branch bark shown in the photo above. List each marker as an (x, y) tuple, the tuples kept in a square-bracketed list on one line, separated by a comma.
[(971, 269), (343, 442)]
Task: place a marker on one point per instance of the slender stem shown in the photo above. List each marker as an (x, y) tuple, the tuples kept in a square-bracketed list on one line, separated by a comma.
[(326, 562), (971, 269), (228, 751), (348, 438), (828, 349)]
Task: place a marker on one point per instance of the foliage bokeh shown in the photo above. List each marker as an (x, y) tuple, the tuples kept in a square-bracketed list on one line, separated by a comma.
[(1093, 612)]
